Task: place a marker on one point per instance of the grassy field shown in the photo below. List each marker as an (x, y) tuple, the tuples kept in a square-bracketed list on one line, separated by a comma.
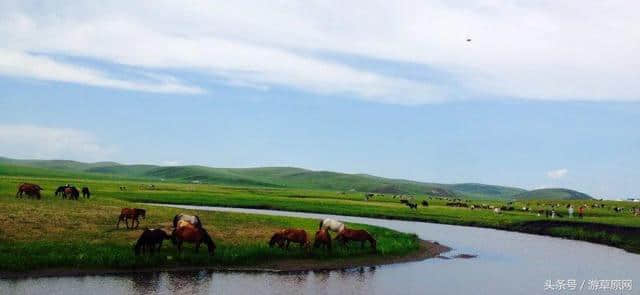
[(52, 232), (55, 233), (283, 177)]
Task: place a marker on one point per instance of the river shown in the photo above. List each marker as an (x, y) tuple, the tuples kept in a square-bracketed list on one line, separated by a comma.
[(506, 263)]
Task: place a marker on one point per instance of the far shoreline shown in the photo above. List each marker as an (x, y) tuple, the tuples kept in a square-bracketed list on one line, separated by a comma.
[(426, 250)]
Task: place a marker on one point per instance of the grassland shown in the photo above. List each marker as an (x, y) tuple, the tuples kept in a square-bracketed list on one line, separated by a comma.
[(52, 232), (61, 234), (282, 177)]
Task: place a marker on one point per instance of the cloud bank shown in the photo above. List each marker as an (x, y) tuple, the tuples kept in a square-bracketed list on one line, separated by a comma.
[(30, 141), (546, 50)]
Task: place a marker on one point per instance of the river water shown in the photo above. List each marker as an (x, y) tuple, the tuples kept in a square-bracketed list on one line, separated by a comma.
[(506, 263)]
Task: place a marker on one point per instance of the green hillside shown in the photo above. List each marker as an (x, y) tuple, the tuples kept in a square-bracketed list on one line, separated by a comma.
[(552, 194), (272, 177)]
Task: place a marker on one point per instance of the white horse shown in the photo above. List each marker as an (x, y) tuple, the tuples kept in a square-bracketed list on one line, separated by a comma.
[(331, 224), (193, 219)]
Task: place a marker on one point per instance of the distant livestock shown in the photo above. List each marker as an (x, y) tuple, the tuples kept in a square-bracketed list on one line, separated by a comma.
[(30, 189)]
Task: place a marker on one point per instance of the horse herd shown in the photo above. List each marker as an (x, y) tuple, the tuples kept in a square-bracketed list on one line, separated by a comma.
[(189, 228), (65, 191)]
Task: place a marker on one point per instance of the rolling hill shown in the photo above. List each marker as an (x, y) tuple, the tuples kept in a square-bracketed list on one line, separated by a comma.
[(272, 177), (552, 194)]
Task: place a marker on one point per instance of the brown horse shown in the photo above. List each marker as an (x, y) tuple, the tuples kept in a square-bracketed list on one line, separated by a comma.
[(32, 190), (356, 235), (286, 236), (71, 192), (323, 238), (187, 232), (133, 214), (150, 241)]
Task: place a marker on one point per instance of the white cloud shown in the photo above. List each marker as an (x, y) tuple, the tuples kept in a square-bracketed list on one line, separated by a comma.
[(20, 64), (557, 174), (533, 50), (170, 163), (29, 141)]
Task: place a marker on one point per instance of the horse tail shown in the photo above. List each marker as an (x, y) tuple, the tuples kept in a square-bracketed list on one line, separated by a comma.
[(372, 241), (321, 222), (199, 223), (175, 221), (136, 248), (208, 240)]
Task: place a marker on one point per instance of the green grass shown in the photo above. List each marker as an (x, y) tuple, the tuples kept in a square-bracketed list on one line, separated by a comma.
[(55, 233), (73, 228), (285, 177)]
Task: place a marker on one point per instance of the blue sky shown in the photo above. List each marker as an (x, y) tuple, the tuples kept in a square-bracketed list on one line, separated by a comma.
[(305, 85)]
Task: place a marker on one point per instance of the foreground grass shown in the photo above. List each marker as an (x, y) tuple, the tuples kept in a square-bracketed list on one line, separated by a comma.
[(54, 233)]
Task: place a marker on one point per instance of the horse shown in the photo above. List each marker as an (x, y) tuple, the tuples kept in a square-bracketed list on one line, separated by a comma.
[(133, 214), (150, 240), (60, 190), (32, 190), (187, 232), (284, 237), (425, 203), (331, 224), (71, 192), (193, 219), (322, 238), (413, 206), (356, 235), (86, 193)]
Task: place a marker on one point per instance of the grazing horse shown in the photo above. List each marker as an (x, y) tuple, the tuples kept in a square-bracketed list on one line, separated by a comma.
[(32, 190), (413, 206), (323, 238), (425, 203), (150, 240), (60, 190), (286, 236), (356, 235), (331, 224), (133, 214), (86, 193), (187, 232), (71, 192), (193, 219)]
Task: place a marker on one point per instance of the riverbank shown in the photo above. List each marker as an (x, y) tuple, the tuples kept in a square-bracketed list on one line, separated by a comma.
[(57, 237), (426, 250)]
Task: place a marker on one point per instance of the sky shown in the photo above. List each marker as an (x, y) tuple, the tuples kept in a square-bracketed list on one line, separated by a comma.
[(545, 93)]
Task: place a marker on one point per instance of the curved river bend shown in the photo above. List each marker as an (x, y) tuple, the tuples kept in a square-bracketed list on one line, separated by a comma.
[(507, 263)]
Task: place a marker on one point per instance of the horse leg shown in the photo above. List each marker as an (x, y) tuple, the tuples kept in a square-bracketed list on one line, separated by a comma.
[(119, 219)]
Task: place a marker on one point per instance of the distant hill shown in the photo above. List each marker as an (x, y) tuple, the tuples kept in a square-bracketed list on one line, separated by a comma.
[(267, 177), (552, 194)]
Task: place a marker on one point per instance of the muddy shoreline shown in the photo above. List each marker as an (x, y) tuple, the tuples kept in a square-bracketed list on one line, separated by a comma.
[(428, 249)]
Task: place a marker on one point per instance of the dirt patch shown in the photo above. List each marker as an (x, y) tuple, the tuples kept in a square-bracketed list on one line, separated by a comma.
[(426, 250)]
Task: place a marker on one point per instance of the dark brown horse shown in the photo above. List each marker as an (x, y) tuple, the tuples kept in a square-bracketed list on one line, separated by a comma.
[(358, 235), (286, 236), (150, 240), (187, 232), (133, 214), (30, 189), (86, 193), (323, 238)]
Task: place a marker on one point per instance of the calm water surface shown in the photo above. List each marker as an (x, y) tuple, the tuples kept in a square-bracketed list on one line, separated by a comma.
[(507, 263)]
